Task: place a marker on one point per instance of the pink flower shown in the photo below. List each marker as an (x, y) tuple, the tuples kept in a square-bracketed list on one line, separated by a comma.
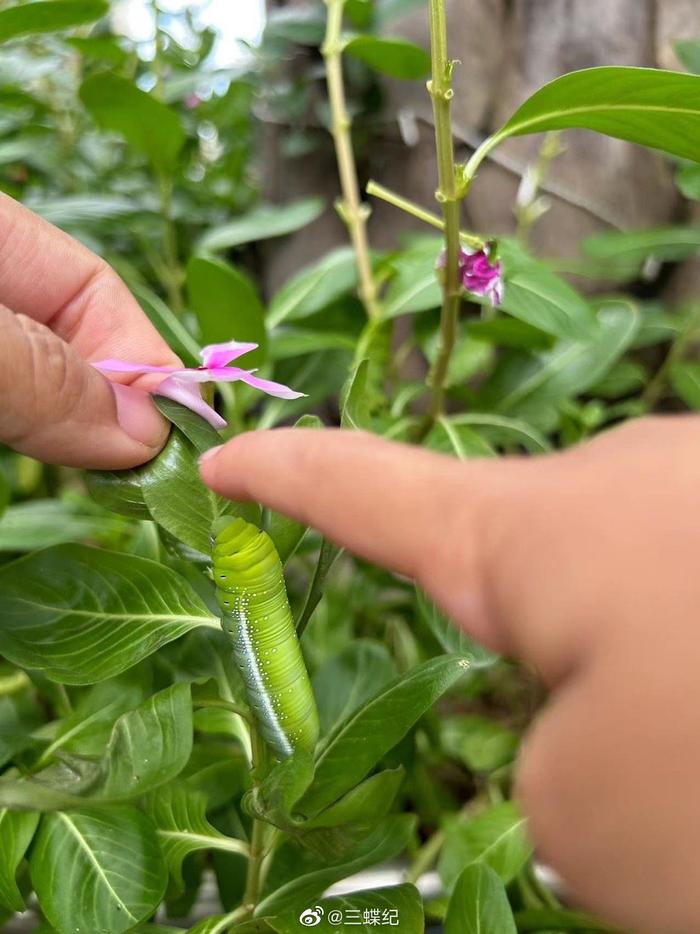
[(478, 274), (180, 384)]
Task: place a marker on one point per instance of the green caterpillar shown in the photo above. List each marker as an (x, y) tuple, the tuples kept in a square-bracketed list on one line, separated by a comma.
[(256, 615)]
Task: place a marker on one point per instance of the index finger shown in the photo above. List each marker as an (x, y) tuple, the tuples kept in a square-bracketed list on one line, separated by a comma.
[(47, 275), (414, 512)]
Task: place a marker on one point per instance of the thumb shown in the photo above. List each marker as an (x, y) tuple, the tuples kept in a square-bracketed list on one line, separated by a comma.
[(418, 513), (58, 408)]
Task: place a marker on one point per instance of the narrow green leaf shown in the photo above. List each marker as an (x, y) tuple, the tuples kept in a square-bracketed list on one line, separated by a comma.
[(227, 306), (397, 58), (178, 500), (16, 832), (384, 842), (49, 16), (496, 837), (357, 744), (355, 407), (327, 556), (97, 871), (398, 908), (347, 680), (481, 743), (117, 490), (40, 523), (314, 288), (262, 223), (149, 126), (655, 108), (685, 379), (634, 247), (148, 747), (507, 431), (462, 441), (179, 814), (450, 637), (560, 919), (479, 904), (81, 615), (528, 382), (197, 431)]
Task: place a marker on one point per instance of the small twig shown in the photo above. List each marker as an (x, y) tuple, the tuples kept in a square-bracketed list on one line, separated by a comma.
[(351, 209)]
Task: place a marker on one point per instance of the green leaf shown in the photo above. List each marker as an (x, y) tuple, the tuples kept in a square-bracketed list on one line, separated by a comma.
[(49, 16), (507, 431), (99, 48), (227, 306), (4, 494), (415, 286), (315, 287), (366, 803), (149, 126), (394, 57), (81, 615), (197, 431), (481, 743), (328, 553), (273, 800), (450, 637), (148, 747), (16, 832), (355, 406), (688, 52), (296, 342), (461, 440), (688, 182), (178, 500), (655, 108), (529, 382), (117, 490), (262, 223), (560, 919), (179, 814), (348, 680), (384, 842), (357, 744), (73, 210), (537, 296), (97, 871), (42, 522), (636, 246), (479, 904), (685, 379), (397, 907), (496, 837)]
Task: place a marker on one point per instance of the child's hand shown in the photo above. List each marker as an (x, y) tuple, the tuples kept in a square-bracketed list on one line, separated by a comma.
[(584, 564), (61, 306)]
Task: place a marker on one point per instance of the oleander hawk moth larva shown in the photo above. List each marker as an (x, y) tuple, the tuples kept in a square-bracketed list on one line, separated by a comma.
[(256, 615)]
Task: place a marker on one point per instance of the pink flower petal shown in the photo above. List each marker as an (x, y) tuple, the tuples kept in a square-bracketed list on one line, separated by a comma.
[(188, 395), (217, 355), (121, 366), (271, 388)]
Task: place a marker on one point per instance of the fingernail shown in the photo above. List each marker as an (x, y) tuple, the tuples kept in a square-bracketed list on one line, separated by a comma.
[(138, 417), (209, 455)]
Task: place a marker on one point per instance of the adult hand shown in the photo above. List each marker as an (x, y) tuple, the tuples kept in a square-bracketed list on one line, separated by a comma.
[(60, 307), (585, 565)]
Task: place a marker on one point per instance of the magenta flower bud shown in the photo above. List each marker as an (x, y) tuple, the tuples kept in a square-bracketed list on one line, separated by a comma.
[(478, 274)]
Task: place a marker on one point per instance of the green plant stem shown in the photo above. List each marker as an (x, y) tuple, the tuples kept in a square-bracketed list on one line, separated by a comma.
[(410, 207), (351, 209), (173, 270), (425, 857), (224, 705), (253, 883), (440, 89), (657, 385)]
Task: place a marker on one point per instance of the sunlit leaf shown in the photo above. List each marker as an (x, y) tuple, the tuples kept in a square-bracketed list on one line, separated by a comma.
[(262, 223), (397, 58), (49, 16), (479, 904)]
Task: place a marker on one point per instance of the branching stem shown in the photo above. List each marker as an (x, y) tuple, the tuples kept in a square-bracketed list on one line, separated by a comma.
[(351, 209)]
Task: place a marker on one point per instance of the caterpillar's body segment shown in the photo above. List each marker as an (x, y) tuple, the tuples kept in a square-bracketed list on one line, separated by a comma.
[(256, 615)]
